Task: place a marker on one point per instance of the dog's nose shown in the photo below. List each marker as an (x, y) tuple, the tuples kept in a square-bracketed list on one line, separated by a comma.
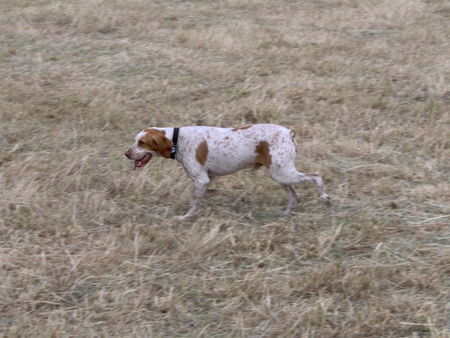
[(128, 153)]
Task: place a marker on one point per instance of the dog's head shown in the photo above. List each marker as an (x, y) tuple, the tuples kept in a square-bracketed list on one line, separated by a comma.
[(148, 143)]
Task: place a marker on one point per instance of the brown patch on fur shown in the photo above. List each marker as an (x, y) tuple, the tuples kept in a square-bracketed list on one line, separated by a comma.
[(201, 153), (263, 155), (156, 140), (241, 128)]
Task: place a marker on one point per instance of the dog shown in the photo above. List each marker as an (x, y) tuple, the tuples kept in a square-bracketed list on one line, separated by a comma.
[(209, 152)]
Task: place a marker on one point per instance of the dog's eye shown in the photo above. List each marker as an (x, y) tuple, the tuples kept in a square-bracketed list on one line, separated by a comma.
[(140, 143)]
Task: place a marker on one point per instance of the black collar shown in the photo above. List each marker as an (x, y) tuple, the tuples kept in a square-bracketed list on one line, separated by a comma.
[(174, 143)]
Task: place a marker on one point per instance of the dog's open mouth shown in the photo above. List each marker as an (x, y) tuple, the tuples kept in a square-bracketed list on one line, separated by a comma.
[(143, 161)]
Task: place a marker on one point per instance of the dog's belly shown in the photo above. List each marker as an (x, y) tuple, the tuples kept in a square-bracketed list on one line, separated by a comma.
[(214, 171), (220, 166)]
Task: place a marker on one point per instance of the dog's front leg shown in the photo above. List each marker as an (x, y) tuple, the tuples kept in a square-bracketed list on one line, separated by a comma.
[(200, 184)]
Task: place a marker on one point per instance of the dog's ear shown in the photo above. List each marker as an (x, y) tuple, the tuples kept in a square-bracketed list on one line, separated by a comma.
[(163, 144)]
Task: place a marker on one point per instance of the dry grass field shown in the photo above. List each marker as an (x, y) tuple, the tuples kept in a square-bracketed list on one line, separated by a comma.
[(88, 247)]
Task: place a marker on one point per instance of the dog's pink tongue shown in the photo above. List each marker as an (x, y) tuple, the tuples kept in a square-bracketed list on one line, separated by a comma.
[(138, 164), (143, 161)]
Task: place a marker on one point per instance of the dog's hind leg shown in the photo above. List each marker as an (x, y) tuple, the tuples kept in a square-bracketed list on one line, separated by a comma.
[(293, 176), (292, 198)]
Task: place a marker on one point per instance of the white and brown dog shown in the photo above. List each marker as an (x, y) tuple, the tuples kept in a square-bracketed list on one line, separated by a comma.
[(208, 152)]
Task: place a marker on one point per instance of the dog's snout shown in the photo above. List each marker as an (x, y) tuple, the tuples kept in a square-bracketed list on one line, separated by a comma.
[(128, 153)]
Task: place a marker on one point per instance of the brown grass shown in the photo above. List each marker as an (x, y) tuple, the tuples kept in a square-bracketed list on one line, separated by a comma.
[(88, 247)]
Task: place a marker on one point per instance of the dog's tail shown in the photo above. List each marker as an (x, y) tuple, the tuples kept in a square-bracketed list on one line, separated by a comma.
[(292, 132)]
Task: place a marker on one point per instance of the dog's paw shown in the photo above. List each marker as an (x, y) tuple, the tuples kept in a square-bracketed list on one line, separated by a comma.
[(326, 199), (179, 218), (286, 212)]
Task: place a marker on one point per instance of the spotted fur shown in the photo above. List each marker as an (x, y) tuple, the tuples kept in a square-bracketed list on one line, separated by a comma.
[(209, 152)]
